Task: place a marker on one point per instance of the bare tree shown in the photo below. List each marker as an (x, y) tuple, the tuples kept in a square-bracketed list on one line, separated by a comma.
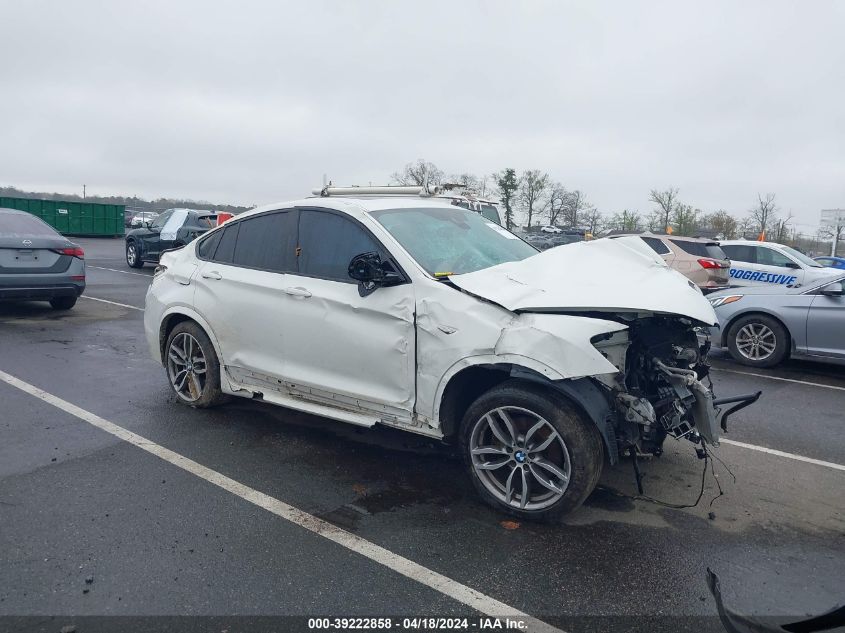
[(470, 181), (557, 201), (780, 228), (508, 185), (685, 219), (746, 227), (666, 202), (574, 208), (593, 221), (723, 223), (764, 214), (415, 173), (629, 221), (654, 222), (533, 192), (835, 234)]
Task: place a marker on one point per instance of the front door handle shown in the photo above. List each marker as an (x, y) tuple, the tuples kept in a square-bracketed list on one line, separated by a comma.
[(299, 291), (212, 274)]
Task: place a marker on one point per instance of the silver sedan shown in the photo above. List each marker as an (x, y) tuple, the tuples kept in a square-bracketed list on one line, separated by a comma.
[(762, 325)]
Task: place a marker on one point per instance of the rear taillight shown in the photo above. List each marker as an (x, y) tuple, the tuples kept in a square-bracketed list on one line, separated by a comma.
[(73, 251), (710, 263)]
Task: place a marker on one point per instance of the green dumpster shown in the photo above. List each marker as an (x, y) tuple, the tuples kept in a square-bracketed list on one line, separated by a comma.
[(73, 217)]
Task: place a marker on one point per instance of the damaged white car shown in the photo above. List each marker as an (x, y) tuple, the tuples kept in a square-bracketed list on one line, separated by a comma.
[(417, 314)]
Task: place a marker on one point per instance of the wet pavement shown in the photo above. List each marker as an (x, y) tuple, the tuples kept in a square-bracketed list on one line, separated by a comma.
[(77, 503)]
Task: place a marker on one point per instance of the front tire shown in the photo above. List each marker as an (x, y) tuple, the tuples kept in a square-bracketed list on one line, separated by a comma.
[(133, 255), (529, 452), (192, 366), (757, 340)]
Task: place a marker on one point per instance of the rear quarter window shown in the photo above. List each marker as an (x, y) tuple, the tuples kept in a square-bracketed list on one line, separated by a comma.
[(701, 249), (207, 246), (657, 245)]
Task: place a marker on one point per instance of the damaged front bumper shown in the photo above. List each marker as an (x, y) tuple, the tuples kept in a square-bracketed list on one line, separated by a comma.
[(708, 413)]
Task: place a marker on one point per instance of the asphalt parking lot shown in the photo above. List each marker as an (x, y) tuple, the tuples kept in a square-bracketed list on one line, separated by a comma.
[(156, 536)]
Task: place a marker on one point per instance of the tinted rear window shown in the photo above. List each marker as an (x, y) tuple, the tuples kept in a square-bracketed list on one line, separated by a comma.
[(741, 253), (701, 249), (657, 245), (12, 224), (268, 242), (206, 247), (226, 248), (209, 221)]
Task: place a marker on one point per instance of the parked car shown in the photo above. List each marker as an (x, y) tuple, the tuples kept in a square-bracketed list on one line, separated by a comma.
[(420, 315), (171, 229), (37, 263), (701, 261), (551, 229), (758, 263), (142, 219), (831, 262), (763, 325)]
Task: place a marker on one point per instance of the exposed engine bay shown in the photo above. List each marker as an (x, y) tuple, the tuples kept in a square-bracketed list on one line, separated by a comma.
[(664, 389)]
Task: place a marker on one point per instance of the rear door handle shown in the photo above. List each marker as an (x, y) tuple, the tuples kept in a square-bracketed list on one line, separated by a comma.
[(212, 274), (298, 292)]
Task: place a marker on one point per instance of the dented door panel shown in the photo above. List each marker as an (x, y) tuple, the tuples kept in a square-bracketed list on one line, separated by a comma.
[(346, 344)]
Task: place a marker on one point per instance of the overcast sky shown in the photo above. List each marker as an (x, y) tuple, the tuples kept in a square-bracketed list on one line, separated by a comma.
[(251, 102)]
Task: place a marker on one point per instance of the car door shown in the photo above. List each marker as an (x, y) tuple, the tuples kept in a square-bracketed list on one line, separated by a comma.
[(151, 238), (826, 322), (240, 291), (757, 264), (357, 350)]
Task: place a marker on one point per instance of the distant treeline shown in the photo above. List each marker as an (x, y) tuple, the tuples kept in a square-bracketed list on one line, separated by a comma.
[(133, 203)]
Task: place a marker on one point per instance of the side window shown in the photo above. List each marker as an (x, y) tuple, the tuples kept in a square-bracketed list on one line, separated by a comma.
[(207, 246), (489, 211), (226, 248), (161, 219), (770, 257), (741, 253), (657, 245), (328, 242), (267, 242)]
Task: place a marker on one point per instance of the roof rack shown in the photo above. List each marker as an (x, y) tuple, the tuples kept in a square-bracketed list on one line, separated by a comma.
[(423, 191)]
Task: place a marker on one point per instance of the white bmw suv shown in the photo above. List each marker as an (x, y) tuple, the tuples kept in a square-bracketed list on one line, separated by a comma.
[(418, 314)]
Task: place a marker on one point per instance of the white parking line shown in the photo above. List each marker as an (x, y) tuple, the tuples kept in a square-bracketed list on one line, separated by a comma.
[(800, 382), (114, 303), (122, 272), (408, 568), (772, 451)]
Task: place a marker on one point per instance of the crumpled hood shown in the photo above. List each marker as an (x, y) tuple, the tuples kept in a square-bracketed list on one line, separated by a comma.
[(603, 275)]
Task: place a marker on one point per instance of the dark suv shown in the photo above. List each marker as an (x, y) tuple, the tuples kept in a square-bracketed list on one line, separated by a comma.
[(171, 229)]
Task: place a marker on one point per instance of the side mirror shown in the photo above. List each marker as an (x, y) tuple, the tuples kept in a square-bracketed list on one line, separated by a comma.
[(146, 224), (836, 289), (366, 268), (792, 265), (371, 273)]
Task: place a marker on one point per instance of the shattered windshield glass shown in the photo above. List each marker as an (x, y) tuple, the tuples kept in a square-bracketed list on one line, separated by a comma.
[(452, 241)]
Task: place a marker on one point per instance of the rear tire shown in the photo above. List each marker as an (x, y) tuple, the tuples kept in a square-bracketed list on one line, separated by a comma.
[(560, 461), (133, 255), (757, 340), (63, 303), (192, 367)]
